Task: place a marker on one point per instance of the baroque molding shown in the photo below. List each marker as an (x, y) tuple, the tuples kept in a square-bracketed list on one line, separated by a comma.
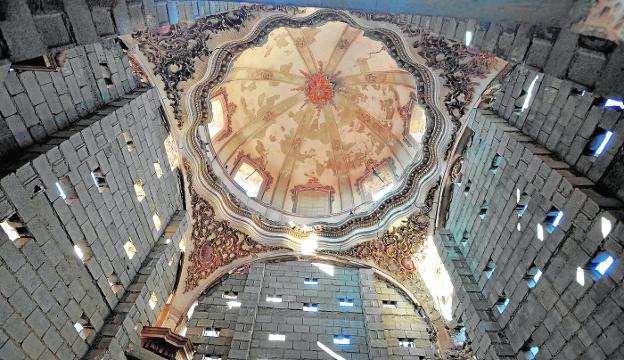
[(396, 249), (405, 193), (174, 52), (459, 66), (228, 107), (313, 184), (456, 170), (215, 242)]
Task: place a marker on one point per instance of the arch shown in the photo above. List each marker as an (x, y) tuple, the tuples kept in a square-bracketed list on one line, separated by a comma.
[(182, 302)]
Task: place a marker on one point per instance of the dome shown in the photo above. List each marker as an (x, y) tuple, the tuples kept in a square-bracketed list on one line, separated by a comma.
[(316, 121)]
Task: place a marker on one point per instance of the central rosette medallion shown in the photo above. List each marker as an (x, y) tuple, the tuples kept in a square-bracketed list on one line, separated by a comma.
[(319, 88)]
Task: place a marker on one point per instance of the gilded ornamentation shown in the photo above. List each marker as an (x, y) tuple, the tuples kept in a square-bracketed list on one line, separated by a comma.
[(136, 70), (459, 65), (174, 52), (456, 170), (408, 187), (319, 88), (215, 243), (396, 250)]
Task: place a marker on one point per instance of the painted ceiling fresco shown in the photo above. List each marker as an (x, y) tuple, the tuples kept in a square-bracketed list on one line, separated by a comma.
[(319, 108)]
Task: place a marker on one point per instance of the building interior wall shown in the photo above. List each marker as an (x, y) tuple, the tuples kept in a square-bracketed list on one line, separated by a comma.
[(77, 143), (303, 329)]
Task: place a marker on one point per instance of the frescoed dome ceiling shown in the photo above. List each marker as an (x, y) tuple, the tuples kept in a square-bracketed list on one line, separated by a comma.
[(321, 114), (302, 123)]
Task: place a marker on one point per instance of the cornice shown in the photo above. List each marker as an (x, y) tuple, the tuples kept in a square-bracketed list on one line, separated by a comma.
[(415, 175)]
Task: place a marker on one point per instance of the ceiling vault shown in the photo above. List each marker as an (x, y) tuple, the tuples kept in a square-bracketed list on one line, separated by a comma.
[(372, 78), (254, 74), (268, 114), (303, 49), (287, 168), (343, 45), (338, 155)]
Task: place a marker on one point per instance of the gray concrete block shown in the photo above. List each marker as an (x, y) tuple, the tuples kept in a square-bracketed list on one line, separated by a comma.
[(81, 21), (49, 92), (586, 67), (19, 130), (52, 29), (33, 89), (491, 37), (32, 346), (561, 54), (26, 109), (7, 108), (16, 328), (539, 52), (19, 31), (103, 21)]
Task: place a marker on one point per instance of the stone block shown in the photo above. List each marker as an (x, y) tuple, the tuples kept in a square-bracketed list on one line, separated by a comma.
[(33, 89), (19, 130), (586, 68), (561, 54), (81, 21), (19, 31), (538, 52), (16, 328), (491, 38), (103, 21), (7, 108), (53, 339), (52, 98), (38, 322), (26, 109), (521, 43), (32, 346), (52, 29), (505, 41)]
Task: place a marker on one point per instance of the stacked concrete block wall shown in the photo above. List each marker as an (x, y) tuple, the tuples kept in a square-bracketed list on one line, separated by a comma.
[(34, 105), (33, 28), (94, 209), (304, 329), (470, 306), (242, 338), (375, 334), (144, 298), (257, 318), (212, 312), (558, 52), (272, 296), (564, 120), (495, 245), (402, 323)]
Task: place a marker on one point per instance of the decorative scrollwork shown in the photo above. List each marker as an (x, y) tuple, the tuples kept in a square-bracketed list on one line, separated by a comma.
[(456, 170), (174, 52), (215, 242), (397, 248)]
